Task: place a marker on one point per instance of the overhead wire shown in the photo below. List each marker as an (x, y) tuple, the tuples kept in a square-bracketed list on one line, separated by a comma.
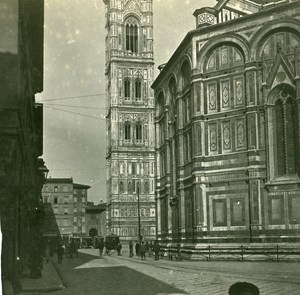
[(73, 106), (74, 113), (73, 97)]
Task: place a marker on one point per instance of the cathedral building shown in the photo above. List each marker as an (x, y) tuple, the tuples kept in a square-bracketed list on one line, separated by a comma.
[(227, 127), (130, 119)]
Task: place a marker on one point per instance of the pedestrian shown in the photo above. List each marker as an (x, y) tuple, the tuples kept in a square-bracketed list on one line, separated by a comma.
[(119, 248), (137, 248), (73, 249), (151, 248), (243, 288), (143, 251), (130, 249), (60, 252), (156, 248), (47, 253), (178, 254), (147, 245), (101, 246)]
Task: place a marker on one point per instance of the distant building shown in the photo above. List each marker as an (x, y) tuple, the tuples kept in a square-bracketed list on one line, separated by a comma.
[(130, 118), (64, 204), (96, 219), (227, 121)]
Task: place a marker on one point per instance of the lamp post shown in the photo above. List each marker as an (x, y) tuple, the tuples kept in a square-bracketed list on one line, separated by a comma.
[(139, 216)]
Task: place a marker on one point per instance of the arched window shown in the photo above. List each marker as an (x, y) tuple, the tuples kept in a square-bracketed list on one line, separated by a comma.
[(161, 103), (146, 187), (138, 132), (285, 134), (121, 187), (127, 89), (186, 73), (132, 35), (127, 131), (130, 187), (138, 89)]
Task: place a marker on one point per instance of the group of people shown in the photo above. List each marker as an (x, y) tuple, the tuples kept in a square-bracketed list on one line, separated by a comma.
[(141, 248), (68, 249)]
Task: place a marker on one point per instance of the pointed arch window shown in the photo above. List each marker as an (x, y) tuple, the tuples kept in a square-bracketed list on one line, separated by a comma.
[(186, 73), (285, 134), (146, 187), (121, 187), (131, 30), (138, 89), (127, 87), (127, 132), (130, 187), (138, 132)]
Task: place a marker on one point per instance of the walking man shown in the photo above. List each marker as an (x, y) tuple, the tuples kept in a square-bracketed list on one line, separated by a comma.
[(137, 248), (156, 248), (143, 251), (101, 246), (130, 249), (60, 252)]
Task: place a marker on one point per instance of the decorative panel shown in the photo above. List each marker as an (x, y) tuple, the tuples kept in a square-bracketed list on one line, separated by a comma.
[(212, 62), (224, 56), (240, 134), (237, 56), (212, 96), (239, 91), (226, 136), (213, 137), (225, 94)]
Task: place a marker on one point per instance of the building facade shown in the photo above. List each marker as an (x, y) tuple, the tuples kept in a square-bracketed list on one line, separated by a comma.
[(130, 118), (96, 219), (21, 133), (64, 206), (227, 127)]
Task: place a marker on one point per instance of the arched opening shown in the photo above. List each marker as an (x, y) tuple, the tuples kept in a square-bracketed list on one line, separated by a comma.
[(186, 73), (127, 131), (93, 232), (138, 132), (138, 89), (131, 29), (127, 91)]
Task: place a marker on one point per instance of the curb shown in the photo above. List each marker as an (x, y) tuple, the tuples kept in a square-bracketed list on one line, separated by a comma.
[(59, 287)]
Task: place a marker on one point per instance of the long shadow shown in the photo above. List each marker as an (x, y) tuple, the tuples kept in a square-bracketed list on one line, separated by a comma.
[(116, 280)]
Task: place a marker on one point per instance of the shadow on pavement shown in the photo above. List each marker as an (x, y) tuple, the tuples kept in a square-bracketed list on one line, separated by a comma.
[(111, 279)]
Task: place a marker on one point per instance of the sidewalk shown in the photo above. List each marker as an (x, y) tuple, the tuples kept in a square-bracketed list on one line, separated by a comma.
[(50, 280)]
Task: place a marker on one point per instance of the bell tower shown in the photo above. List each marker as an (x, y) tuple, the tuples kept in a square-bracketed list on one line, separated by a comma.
[(130, 119)]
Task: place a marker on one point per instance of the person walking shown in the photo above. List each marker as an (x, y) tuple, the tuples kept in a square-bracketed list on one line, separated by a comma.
[(143, 251), (156, 248), (130, 249), (47, 253), (60, 252), (100, 246), (147, 245), (119, 248), (137, 248)]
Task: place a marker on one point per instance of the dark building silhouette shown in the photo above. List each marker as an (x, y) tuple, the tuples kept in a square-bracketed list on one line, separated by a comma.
[(21, 133)]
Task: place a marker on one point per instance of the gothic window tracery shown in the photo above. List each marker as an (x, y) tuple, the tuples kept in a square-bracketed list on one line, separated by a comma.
[(138, 132), (138, 89), (127, 86), (285, 134), (132, 31), (127, 131)]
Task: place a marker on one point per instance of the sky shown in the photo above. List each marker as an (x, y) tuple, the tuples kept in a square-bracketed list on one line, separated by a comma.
[(74, 82)]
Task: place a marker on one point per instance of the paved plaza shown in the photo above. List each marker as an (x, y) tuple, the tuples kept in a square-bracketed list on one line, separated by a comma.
[(88, 274)]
